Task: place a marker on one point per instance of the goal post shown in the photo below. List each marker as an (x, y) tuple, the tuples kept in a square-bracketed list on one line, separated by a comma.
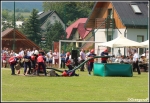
[(60, 41)]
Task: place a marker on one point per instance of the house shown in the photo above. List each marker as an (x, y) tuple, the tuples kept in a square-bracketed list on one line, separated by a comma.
[(19, 24), (76, 31), (49, 16), (19, 39), (109, 19)]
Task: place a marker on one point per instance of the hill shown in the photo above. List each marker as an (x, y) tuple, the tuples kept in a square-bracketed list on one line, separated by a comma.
[(22, 5)]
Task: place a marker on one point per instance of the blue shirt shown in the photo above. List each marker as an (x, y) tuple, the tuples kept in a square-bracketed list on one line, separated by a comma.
[(63, 56)]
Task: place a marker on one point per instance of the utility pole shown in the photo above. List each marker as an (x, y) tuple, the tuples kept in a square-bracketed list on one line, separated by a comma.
[(14, 29)]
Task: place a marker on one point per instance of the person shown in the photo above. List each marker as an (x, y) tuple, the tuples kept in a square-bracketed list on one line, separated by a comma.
[(104, 53), (70, 71), (27, 63), (91, 61), (143, 62), (88, 52), (68, 61), (50, 58), (82, 58), (118, 54), (17, 65), (33, 62), (56, 57), (21, 53), (4, 61), (136, 62), (12, 61), (41, 62), (63, 57)]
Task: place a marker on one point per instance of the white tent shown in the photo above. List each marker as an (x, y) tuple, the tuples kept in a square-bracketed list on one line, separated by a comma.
[(121, 41), (146, 43)]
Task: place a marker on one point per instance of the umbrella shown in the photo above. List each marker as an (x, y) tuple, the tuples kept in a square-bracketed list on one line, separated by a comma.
[(122, 41), (146, 43)]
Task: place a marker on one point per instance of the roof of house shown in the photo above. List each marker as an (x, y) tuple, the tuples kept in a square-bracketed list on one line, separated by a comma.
[(79, 25), (125, 13), (44, 15), (128, 16), (20, 39)]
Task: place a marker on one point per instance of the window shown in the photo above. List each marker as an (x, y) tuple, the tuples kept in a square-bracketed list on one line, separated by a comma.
[(135, 8), (140, 38), (110, 13), (54, 17)]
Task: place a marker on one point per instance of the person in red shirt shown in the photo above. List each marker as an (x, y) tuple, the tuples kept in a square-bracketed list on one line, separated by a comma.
[(40, 62), (13, 60), (91, 61), (104, 53)]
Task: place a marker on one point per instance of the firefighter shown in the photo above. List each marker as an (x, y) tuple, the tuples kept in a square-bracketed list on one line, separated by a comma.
[(91, 61), (40, 62)]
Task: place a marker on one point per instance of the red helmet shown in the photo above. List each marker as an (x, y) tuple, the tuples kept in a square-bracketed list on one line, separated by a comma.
[(68, 53), (92, 51)]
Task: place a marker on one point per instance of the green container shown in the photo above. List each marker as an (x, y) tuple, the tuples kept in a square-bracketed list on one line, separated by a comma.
[(113, 69)]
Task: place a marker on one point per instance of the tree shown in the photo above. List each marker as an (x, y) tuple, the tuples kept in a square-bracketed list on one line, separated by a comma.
[(6, 25), (5, 15), (31, 27), (70, 11), (53, 32)]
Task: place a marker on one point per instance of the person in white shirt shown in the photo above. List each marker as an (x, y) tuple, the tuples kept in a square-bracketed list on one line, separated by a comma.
[(21, 53), (50, 58), (119, 54), (136, 62), (82, 59), (56, 58), (29, 52)]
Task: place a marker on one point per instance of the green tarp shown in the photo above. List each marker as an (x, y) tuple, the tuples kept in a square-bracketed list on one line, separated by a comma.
[(112, 69)]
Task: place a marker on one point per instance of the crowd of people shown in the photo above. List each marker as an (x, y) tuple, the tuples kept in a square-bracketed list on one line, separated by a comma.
[(33, 60)]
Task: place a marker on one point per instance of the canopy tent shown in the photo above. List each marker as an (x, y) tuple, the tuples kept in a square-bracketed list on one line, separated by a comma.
[(121, 41), (146, 43)]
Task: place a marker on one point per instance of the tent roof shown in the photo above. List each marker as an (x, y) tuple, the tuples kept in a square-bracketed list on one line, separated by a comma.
[(146, 43), (121, 41)]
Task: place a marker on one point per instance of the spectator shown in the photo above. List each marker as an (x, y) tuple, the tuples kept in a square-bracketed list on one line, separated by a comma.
[(4, 61), (63, 57), (50, 58), (21, 52), (56, 58), (82, 59), (143, 62), (136, 61), (118, 54)]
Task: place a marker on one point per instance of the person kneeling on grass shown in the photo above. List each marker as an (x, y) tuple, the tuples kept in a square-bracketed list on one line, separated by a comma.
[(69, 72)]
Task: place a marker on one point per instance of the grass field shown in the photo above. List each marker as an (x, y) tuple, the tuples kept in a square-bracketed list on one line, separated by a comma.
[(83, 88)]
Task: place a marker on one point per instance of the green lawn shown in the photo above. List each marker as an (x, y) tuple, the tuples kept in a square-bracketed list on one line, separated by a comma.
[(82, 88)]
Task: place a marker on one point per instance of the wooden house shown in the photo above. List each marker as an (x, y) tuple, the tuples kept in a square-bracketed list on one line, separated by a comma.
[(109, 19)]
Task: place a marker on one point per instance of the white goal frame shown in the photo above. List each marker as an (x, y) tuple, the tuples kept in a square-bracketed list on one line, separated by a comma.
[(60, 41)]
